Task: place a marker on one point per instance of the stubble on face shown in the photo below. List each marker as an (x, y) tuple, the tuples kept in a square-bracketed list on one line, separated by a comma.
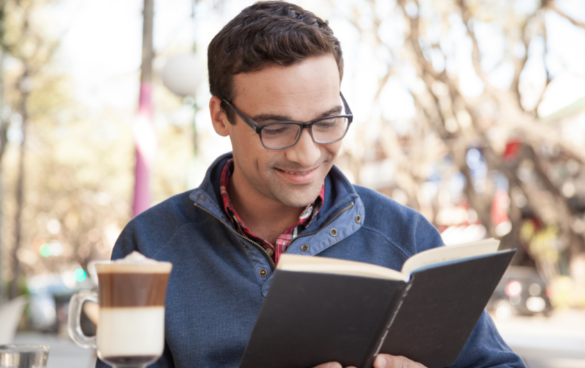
[(301, 91), (299, 195)]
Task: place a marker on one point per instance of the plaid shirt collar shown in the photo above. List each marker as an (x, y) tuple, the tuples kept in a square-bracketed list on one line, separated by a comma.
[(273, 250)]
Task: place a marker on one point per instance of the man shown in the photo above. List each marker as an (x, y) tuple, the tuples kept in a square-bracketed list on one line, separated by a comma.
[(272, 66)]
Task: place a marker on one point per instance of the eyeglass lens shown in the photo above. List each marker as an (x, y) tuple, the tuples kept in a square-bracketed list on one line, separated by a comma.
[(323, 131)]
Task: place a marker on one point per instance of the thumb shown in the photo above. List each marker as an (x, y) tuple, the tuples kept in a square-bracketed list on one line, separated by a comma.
[(329, 365), (390, 361)]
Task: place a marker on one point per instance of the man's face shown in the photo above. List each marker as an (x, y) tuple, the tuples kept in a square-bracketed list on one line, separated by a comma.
[(301, 92)]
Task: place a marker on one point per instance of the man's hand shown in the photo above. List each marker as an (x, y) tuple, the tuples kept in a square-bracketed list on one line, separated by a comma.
[(382, 361), (329, 365), (391, 361)]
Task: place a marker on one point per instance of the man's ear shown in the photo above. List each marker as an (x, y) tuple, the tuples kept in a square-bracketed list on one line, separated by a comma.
[(219, 119)]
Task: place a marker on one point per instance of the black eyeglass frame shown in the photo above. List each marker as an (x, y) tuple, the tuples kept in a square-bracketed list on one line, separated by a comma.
[(257, 128)]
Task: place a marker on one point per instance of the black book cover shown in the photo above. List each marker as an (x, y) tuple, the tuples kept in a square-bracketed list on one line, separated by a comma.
[(311, 318), (441, 309)]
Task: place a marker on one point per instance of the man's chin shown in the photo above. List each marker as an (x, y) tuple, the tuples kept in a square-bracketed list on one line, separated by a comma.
[(299, 198)]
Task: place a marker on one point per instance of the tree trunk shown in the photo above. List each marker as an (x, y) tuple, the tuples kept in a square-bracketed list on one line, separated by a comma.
[(14, 285), (3, 141), (144, 135), (147, 46)]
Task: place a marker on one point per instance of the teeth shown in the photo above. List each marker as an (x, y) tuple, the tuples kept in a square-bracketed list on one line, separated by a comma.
[(295, 173)]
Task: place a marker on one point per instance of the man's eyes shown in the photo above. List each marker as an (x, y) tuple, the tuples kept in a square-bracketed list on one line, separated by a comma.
[(329, 122), (325, 124), (287, 127), (279, 129)]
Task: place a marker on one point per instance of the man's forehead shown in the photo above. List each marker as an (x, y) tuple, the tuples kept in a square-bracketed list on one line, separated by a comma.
[(313, 83)]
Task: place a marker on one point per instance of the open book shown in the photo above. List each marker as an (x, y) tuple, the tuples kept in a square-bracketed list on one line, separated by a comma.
[(323, 309)]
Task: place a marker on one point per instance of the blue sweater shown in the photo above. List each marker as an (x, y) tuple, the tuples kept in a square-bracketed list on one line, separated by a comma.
[(220, 278)]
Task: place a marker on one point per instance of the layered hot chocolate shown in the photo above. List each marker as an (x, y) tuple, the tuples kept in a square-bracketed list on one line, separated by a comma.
[(131, 319)]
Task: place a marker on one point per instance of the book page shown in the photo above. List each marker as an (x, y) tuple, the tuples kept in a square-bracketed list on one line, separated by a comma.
[(291, 262), (449, 253)]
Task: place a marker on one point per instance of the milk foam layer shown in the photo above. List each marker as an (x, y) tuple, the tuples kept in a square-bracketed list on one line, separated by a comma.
[(131, 331), (136, 257), (134, 263)]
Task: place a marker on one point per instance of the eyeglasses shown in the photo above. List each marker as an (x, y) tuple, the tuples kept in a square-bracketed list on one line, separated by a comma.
[(284, 134)]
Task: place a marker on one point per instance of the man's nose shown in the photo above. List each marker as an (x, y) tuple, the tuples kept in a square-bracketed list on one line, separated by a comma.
[(306, 152)]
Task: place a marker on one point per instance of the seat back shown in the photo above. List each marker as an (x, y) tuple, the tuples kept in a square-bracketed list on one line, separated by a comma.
[(10, 314)]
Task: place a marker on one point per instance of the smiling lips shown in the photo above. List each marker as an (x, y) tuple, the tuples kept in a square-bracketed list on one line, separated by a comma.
[(299, 177)]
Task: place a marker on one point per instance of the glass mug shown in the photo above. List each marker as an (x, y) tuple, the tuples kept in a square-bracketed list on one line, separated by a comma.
[(130, 330), (23, 356)]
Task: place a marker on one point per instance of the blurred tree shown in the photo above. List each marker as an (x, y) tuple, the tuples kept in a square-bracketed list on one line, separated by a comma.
[(25, 43), (471, 117), (3, 137), (145, 136), (78, 168), (73, 203)]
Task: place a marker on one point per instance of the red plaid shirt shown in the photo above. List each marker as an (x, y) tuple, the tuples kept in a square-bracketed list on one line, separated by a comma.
[(287, 236)]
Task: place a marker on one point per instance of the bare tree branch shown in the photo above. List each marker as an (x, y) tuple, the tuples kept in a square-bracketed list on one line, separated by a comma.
[(475, 54), (414, 38), (3, 137), (546, 71), (521, 63), (536, 132), (551, 5)]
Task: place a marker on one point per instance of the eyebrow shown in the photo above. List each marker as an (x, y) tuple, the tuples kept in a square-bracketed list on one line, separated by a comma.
[(263, 118)]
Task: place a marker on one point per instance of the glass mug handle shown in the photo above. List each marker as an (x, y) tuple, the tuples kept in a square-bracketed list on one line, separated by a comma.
[(73, 320)]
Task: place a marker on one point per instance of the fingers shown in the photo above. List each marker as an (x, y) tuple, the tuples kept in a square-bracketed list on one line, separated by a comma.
[(329, 365), (382, 361), (390, 361)]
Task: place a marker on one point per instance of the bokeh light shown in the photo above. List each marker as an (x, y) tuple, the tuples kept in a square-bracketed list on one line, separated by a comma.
[(80, 275), (45, 250)]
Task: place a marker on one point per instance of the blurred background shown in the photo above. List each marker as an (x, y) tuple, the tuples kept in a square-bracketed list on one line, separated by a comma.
[(472, 112)]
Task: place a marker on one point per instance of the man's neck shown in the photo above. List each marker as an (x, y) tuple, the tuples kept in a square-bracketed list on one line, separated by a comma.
[(265, 218)]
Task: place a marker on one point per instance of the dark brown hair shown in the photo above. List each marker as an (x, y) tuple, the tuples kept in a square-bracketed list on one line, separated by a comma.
[(268, 32)]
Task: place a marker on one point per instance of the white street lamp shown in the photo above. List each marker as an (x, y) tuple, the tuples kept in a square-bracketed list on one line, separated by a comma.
[(182, 74)]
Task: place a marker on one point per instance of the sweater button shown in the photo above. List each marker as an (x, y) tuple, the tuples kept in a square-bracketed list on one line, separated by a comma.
[(333, 232), (304, 247), (358, 219), (263, 272)]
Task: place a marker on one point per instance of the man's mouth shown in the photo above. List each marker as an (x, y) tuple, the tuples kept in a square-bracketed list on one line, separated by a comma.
[(299, 177), (297, 172)]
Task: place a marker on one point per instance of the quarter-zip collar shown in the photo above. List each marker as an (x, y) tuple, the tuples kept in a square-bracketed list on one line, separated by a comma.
[(342, 214), (209, 187)]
